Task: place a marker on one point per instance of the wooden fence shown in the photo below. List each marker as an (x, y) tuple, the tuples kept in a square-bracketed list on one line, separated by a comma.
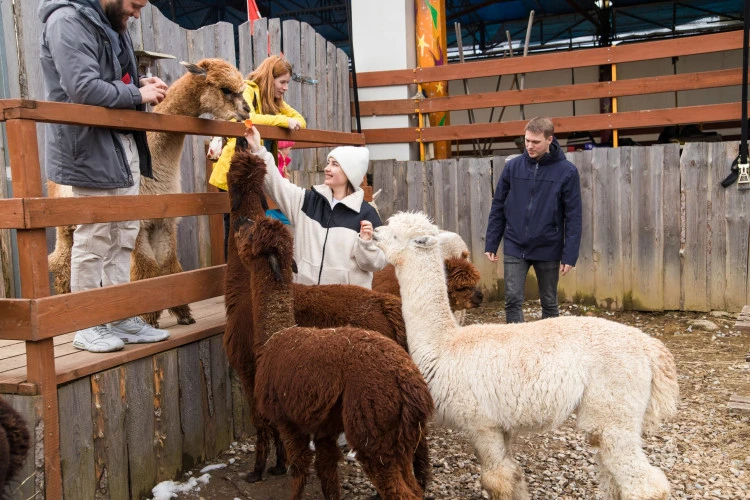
[(325, 104), (659, 231), (725, 114)]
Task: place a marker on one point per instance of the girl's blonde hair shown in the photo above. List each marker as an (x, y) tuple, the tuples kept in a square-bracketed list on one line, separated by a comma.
[(263, 76)]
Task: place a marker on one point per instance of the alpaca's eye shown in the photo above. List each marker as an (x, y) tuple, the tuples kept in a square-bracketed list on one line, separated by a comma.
[(226, 91)]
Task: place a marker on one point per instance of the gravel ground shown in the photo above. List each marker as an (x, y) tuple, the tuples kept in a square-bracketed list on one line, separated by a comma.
[(704, 451)]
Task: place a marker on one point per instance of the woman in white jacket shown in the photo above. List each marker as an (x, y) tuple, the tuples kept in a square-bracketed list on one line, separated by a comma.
[(332, 223)]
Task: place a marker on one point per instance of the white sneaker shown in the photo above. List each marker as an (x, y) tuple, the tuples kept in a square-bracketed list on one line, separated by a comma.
[(98, 338), (136, 331)]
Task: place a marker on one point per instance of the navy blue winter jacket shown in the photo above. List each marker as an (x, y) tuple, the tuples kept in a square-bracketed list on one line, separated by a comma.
[(537, 208)]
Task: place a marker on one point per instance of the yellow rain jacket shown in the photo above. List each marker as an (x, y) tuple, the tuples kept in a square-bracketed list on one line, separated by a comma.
[(252, 96)]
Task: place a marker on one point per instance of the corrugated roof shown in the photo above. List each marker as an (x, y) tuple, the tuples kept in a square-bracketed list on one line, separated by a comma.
[(558, 24)]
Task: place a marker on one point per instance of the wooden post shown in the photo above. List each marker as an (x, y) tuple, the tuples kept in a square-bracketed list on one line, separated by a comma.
[(32, 255)]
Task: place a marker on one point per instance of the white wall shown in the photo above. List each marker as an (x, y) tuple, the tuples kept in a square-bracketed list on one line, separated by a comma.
[(383, 39)]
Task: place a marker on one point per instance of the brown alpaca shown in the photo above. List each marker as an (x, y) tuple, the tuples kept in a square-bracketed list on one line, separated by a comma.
[(245, 182), (462, 278), (212, 86), (331, 306), (323, 382), (318, 306), (14, 443)]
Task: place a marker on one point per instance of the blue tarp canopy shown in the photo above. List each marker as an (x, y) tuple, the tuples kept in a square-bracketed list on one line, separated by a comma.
[(558, 24)]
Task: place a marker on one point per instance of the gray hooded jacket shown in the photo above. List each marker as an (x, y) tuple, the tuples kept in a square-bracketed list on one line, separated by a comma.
[(80, 65)]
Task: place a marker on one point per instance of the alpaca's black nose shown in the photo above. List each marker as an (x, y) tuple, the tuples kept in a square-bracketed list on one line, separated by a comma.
[(477, 297)]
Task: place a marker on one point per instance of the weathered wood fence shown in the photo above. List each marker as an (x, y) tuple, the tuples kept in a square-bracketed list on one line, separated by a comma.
[(659, 231), (325, 104)]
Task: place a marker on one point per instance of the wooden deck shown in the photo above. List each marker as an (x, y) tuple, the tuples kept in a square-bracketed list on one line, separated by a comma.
[(72, 363)]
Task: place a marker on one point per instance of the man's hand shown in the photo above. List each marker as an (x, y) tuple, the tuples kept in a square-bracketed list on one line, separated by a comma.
[(564, 268), (153, 93), (492, 256), (153, 80)]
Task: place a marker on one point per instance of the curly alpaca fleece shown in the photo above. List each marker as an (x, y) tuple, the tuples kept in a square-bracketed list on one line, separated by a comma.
[(496, 381), (322, 382)]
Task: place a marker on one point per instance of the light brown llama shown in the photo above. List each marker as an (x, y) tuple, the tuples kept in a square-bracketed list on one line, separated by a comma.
[(212, 86), (323, 382), (318, 306)]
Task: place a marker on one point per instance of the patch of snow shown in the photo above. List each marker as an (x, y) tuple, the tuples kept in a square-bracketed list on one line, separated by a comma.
[(170, 489)]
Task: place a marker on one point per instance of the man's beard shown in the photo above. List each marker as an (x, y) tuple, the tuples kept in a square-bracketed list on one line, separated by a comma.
[(116, 15)]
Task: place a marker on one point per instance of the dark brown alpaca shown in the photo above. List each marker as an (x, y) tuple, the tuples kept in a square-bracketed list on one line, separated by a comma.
[(14, 442), (316, 306), (461, 276), (331, 306), (323, 382), (247, 200)]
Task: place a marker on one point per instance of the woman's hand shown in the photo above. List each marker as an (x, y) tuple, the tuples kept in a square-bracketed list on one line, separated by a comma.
[(294, 124), (365, 230), (253, 139)]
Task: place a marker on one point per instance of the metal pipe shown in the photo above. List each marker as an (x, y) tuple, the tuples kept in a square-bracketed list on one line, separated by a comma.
[(525, 53)]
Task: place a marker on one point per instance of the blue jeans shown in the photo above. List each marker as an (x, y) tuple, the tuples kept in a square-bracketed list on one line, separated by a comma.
[(547, 275)]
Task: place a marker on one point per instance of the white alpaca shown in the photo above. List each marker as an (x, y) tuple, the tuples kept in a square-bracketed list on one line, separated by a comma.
[(496, 381)]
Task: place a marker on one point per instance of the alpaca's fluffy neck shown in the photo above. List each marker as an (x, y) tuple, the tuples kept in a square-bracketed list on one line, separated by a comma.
[(424, 299), (183, 98), (273, 306)]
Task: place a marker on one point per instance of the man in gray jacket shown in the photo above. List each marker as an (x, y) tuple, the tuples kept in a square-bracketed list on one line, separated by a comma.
[(87, 58)]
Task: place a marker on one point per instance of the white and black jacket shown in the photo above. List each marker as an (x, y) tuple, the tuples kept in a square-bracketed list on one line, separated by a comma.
[(327, 246)]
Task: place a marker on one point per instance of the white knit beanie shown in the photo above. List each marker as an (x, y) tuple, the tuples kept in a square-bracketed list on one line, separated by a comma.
[(353, 161)]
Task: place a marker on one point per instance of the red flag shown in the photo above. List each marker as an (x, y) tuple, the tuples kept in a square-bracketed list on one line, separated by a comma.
[(253, 13)]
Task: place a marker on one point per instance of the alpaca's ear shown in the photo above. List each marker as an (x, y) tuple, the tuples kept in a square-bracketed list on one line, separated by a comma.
[(425, 241), (294, 266), (241, 221), (376, 195), (194, 69)]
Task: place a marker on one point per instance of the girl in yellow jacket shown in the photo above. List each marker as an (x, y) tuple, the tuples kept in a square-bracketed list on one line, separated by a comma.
[(265, 91)]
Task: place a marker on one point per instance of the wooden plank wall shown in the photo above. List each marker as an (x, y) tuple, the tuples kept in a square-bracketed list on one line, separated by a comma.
[(310, 54), (126, 429), (659, 231)]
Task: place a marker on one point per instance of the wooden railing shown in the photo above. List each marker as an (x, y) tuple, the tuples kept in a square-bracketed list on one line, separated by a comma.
[(36, 317), (724, 114)]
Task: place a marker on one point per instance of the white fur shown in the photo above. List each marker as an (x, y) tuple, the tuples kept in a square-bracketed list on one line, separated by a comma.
[(496, 381)]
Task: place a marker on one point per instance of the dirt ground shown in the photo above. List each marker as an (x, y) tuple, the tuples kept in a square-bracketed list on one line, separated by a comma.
[(704, 451)]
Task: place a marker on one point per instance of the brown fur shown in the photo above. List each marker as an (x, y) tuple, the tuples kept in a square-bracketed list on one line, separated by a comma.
[(330, 306), (245, 181), (14, 443), (461, 275), (322, 382), (196, 92)]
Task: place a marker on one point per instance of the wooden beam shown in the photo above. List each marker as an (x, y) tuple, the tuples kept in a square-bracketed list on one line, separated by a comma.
[(15, 319), (121, 301), (635, 86), (629, 120), (32, 251), (675, 47), (51, 212), (11, 213), (98, 116)]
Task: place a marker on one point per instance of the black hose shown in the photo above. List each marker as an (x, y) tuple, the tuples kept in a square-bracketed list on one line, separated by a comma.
[(734, 171), (743, 141), (354, 67)]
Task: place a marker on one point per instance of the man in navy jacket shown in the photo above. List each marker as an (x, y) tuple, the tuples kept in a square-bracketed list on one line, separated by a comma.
[(537, 209)]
